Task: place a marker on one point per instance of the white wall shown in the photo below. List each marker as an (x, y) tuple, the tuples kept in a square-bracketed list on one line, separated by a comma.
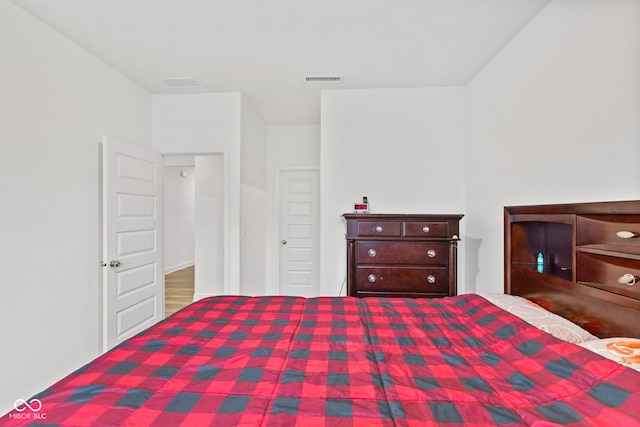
[(195, 123), (555, 117), (253, 201), (253, 147), (209, 223), (179, 212), (292, 145), (402, 148), (57, 102), (253, 219), (288, 146)]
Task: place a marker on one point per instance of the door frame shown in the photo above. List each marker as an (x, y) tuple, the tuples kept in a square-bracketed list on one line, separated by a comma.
[(273, 260)]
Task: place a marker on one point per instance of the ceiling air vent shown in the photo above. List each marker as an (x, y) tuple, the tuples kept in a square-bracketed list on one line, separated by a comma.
[(323, 79), (183, 82)]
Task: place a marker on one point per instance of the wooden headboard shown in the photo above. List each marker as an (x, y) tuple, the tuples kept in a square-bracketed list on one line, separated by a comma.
[(591, 254)]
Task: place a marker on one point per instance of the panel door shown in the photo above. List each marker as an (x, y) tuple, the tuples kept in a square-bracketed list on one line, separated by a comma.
[(299, 233), (133, 279)]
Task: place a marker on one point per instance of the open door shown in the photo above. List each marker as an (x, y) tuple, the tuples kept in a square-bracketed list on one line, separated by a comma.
[(133, 279)]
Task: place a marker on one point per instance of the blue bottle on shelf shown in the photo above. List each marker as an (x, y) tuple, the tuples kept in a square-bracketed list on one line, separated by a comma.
[(540, 262)]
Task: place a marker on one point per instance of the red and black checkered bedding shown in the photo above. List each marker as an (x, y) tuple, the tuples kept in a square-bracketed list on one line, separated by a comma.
[(331, 361)]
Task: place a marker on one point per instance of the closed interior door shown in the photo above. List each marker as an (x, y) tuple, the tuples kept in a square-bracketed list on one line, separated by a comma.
[(299, 233), (133, 279)]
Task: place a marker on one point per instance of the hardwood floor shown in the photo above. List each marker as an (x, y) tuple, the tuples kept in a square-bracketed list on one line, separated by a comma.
[(179, 288)]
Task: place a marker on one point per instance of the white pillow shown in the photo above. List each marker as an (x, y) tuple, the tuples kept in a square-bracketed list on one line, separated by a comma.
[(625, 351), (543, 319)]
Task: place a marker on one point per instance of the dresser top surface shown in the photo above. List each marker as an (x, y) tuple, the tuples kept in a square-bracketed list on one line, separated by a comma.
[(379, 216)]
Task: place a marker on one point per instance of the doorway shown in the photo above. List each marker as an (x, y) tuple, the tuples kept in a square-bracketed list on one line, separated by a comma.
[(194, 228)]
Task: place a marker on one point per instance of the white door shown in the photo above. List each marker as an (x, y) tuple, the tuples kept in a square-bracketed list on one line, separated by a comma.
[(299, 232), (133, 280)]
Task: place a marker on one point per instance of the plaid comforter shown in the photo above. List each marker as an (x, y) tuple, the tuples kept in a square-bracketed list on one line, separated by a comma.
[(331, 361)]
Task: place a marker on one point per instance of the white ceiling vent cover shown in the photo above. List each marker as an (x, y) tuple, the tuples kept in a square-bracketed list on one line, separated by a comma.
[(323, 79), (183, 82)]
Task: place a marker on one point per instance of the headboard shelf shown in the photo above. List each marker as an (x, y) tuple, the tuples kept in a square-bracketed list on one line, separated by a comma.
[(549, 274), (591, 263), (619, 251)]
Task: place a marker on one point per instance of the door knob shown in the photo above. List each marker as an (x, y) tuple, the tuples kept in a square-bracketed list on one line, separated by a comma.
[(114, 263), (284, 242)]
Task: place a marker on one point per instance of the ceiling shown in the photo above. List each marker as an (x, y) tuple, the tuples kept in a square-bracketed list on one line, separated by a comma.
[(266, 48)]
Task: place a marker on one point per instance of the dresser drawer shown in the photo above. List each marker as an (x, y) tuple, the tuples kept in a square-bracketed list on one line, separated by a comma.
[(417, 280), (426, 229), (402, 279), (610, 230), (401, 253), (609, 273), (380, 228)]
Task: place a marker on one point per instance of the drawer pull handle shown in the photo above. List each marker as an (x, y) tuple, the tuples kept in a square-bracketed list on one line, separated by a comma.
[(431, 278), (627, 279), (627, 234), (372, 252), (372, 278), (431, 253), (425, 228), (378, 229)]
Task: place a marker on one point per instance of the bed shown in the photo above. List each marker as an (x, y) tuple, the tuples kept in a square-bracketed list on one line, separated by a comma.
[(472, 360), (341, 361)]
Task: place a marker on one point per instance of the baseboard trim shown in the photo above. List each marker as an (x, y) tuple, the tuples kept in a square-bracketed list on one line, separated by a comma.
[(173, 268)]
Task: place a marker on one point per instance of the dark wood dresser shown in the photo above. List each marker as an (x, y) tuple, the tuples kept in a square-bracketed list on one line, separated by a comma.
[(392, 255)]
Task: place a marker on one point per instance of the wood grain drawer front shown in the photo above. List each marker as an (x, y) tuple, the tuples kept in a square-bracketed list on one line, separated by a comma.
[(617, 275), (417, 280), (613, 230), (380, 228), (401, 253), (426, 229)]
